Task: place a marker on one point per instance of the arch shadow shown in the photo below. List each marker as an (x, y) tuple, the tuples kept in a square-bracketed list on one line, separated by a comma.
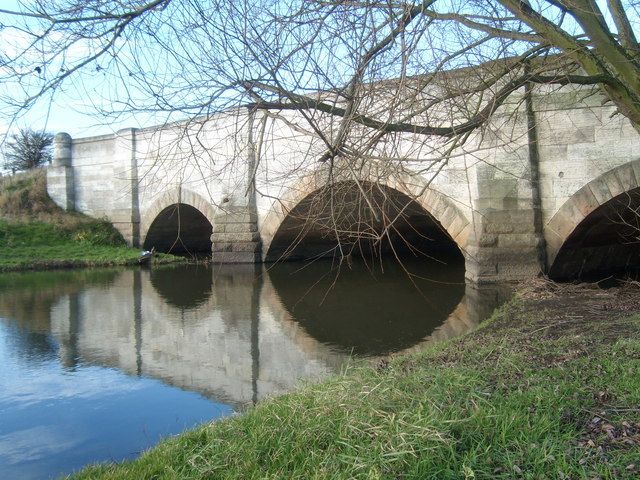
[(180, 221), (289, 216), (593, 232)]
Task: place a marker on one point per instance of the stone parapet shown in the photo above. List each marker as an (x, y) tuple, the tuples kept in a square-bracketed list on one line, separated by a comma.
[(60, 178)]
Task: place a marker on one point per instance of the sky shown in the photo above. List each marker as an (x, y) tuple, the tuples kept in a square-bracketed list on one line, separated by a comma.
[(73, 108)]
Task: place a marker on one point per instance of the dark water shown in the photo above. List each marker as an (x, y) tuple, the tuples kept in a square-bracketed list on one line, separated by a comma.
[(99, 365)]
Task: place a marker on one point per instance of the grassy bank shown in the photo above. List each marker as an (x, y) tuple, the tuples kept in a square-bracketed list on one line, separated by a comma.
[(549, 388), (37, 234)]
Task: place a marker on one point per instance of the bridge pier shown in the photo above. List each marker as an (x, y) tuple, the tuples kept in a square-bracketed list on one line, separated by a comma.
[(125, 209), (235, 237), (504, 248)]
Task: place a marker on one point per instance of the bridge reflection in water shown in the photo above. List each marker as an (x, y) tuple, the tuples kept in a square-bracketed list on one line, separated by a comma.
[(239, 333)]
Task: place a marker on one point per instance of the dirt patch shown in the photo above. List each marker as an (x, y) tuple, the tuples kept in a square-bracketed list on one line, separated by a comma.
[(604, 433), (580, 311)]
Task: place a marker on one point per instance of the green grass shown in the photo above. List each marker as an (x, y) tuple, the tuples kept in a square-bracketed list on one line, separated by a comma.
[(508, 401), (36, 234), (33, 245)]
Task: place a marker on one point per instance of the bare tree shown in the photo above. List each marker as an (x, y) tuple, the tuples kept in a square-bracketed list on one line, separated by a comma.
[(360, 75), (199, 57), (28, 149)]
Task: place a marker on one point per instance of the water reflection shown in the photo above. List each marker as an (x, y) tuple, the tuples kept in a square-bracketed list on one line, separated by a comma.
[(238, 332), (232, 334), (369, 309), (184, 286)]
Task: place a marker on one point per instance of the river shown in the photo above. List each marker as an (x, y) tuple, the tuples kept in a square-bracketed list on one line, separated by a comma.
[(99, 365)]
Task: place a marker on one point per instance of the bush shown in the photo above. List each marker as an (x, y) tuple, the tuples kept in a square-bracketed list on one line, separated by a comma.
[(99, 232), (25, 195)]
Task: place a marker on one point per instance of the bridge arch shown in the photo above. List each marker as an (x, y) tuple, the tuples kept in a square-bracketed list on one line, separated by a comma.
[(444, 212), (587, 234), (180, 221)]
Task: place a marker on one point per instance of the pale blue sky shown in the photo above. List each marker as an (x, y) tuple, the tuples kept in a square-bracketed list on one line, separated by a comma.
[(73, 110)]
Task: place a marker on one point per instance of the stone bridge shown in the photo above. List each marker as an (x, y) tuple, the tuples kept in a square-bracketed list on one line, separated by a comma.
[(551, 185)]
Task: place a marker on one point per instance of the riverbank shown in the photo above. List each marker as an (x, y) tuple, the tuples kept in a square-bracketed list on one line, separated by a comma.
[(548, 388), (33, 245), (35, 234)]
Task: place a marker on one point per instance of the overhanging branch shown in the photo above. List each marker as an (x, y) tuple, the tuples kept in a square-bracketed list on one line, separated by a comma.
[(300, 102)]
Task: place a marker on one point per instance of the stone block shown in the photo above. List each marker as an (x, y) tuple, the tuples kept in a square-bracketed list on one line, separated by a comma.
[(518, 271), (568, 136), (476, 267), (627, 177), (567, 98), (565, 220), (462, 239), (636, 169), (438, 208), (242, 217), (483, 204), (517, 240), (488, 240), (551, 156), (235, 257), (498, 188), (457, 176), (255, 247), (514, 257), (554, 243), (476, 273), (546, 186), (613, 182), (61, 186), (220, 246), (572, 170), (565, 187), (485, 172), (456, 226), (512, 203), (510, 221), (600, 191), (234, 227), (120, 215), (614, 129), (601, 156), (235, 237), (549, 208), (585, 201)]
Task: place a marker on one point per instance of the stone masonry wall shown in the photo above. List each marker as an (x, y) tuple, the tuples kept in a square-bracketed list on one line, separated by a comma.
[(503, 220)]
